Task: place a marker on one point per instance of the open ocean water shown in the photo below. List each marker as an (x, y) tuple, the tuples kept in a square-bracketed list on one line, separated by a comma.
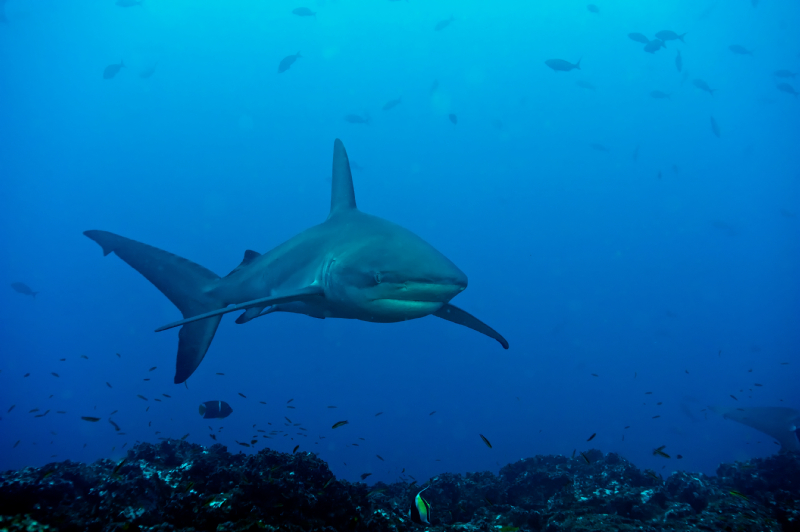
[(629, 223)]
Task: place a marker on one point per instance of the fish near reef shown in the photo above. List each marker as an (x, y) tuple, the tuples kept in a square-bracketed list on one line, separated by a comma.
[(442, 24), (351, 266), (638, 37), (669, 35), (215, 410), (653, 46), (703, 86)]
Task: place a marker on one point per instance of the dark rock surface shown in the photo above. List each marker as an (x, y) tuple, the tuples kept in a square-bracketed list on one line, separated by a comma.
[(179, 486)]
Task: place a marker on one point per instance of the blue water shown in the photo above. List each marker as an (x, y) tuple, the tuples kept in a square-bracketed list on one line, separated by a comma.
[(586, 260)]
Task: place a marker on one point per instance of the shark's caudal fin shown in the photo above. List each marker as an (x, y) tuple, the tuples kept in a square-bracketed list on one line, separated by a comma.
[(343, 198), (183, 282), (777, 421), (456, 315)]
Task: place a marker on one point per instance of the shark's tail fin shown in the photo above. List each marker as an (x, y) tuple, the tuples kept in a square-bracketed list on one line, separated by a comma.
[(185, 283)]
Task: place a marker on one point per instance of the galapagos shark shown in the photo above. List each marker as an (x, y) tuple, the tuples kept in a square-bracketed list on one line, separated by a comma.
[(777, 421), (353, 265)]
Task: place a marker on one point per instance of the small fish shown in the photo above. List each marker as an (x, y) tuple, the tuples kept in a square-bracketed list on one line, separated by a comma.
[(116, 427), (287, 62), (648, 393), (391, 104), (560, 65), (11, 408), (365, 475), (788, 89), (653, 46), (262, 402), (304, 12), (213, 437), (679, 61), (453, 118), (659, 95), (442, 24), (42, 415), (119, 356), (339, 424), (33, 410), (656, 417), (593, 9), (703, 86), (592, 436), (678, 456), (380, 458), (90, 418), (184, 436), (715, 128), (734, 397), (218, 373), (739, 49), (142, 397), (585, 458), (107, 384), (54, 374), (509, 529), (595, 375), (189, 486), (167, 396), (242, 444), (84, 357), (148, 71), (119, 466), (638, 37), (489, 445), (421, 511), (652, 475), (668, 35), (24, 289), (153, 368), (660, 452), (757, 384), (432, 413), (379, 413), (785, 74), (15, 445), (376, 490), (295, 449), (215, 410), (739, 495), (112, 70), (356, 119), (243, 395)]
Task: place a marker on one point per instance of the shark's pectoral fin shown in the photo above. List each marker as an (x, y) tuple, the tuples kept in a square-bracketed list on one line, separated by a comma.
[(302, 294), (456, 315), (250, 314)]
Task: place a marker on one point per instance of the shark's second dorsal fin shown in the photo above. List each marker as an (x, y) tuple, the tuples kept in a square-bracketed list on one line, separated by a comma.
[(249, 256), (343, 198)]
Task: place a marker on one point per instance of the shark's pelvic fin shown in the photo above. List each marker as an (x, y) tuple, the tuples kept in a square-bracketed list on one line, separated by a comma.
[(183, 282), (343, 198), (301, 294), (456, 315)]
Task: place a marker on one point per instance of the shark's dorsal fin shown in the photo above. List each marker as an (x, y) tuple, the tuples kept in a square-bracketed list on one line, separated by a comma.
[(343, 198), (249, 256)]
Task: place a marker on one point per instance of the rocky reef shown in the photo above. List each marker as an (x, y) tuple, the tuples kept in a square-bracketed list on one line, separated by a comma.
[(179, 486)]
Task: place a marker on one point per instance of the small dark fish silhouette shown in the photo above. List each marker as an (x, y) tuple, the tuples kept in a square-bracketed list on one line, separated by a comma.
[(653, 46), (592, 436), (679, 61), (593, 9), (356, 119), (287, 62), (560, 65), (148, 72), (24, 289), (703, 86), (442, 24), (783, 73), (486, 441), (453, 118), (392, 103), (304, 12), (112, 70), (788, 89), (715, 127), (215, 410), (739, 50), (659, 95), (638, 37), (668, 35), (434, 86)]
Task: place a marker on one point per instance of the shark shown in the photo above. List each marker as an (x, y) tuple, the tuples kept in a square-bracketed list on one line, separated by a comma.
[(353, 266), (777, 421)]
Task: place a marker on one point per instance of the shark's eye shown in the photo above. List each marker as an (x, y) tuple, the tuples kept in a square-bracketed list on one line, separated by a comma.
[(377, 277)]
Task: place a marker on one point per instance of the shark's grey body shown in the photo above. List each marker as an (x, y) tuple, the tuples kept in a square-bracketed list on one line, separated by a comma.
[(353, 265)]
